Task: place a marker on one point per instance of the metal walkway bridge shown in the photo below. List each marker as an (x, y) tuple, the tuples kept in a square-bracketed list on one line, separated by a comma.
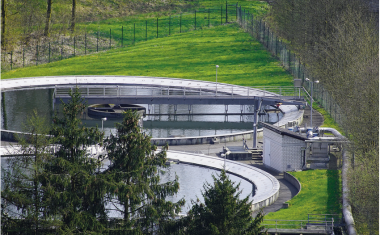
[(154, 90)]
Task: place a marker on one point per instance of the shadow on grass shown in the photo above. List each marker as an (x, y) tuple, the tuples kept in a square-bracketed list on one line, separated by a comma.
[(334, 193)]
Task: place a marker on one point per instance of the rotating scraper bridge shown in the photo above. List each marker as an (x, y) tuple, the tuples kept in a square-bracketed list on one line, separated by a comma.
[(133, 90)]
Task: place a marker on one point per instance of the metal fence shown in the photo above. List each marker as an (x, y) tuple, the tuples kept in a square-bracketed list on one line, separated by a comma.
[(320, 221), (94, 39), (261, 31)]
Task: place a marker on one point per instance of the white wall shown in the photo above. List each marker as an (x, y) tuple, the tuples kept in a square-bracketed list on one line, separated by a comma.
[(291, 153), (284, 151), (275, 141)]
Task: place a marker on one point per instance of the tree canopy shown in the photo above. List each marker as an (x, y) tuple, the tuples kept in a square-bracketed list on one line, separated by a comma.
[(338, 40), (134, 170), (222, 211)]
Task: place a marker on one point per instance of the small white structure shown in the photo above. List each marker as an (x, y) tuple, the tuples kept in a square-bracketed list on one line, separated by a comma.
[(283, 150)]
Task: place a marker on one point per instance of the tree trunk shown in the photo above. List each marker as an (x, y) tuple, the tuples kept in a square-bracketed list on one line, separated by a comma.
[(3, 22), (48, 18), (73, 9)]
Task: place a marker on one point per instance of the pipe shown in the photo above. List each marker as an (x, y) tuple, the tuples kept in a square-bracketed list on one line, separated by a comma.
[(325, 129), (347, 214)]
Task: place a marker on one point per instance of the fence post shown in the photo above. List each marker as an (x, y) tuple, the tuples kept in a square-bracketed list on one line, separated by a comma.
[(275, 47), (74, 46), (195, 19), (61, 53), (97, 42), (226, 13), (236, 11), (110, 37), (252, 26), (221, 14), (122, 36), (180, 23), (170, 19), (85, 43), (209, 17), (11, 60), (49, 52), (23, 57), (37, 54), (146, 30), (134, 33), (157, 27)]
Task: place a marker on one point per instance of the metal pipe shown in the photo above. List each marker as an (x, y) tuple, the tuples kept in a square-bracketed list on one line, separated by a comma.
[(347, 214)]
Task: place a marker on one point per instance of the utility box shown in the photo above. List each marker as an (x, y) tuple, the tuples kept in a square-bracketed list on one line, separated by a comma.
[(297, 83), (284, 150)]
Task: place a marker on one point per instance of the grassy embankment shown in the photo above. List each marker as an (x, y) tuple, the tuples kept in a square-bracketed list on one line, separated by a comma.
[(320, 194), (193, 55)]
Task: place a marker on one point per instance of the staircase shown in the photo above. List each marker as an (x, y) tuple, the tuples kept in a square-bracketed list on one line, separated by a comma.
[(319, 158)]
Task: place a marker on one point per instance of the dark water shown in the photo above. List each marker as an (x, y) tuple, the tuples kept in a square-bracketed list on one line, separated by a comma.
[(18, 105)]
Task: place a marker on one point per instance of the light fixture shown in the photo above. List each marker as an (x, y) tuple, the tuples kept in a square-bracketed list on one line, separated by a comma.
[(103, 120)]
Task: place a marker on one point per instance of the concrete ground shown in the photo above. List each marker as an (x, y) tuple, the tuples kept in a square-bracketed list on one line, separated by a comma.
[(7, 143), (317, 117)]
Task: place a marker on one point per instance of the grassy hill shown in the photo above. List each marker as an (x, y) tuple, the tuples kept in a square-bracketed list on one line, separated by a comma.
[(191, 55)]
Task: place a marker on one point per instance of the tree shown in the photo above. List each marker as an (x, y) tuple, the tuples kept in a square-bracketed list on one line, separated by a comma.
[(73, 16), (222, 212), (23, 202), (3, 21), (48, 18), (136, 191), (74, 190), (342, 52)]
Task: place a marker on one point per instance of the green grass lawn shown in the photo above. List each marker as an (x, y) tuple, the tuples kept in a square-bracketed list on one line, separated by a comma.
[(142, 27), (320, 194), (191, 55)]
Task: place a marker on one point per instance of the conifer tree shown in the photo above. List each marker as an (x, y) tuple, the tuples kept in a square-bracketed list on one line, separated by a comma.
[(73, 187), (222, 212), (136, 191), (22, 198)]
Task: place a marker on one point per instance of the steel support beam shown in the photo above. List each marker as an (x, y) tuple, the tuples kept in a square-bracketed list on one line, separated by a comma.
[(190, 100), (257, 106)]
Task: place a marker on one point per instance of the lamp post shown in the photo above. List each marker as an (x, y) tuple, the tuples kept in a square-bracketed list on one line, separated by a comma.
[(216, 91), (103, 120), (311, 101)]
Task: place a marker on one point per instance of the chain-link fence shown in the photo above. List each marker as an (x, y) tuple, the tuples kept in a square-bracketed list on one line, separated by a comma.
[(261, 31)]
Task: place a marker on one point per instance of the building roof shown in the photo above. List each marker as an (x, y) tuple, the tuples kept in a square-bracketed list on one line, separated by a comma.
[(283, 131)]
